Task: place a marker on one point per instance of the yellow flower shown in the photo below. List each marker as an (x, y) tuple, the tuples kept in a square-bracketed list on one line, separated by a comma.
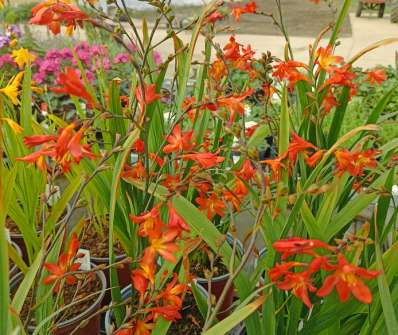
[(17, 129), (22, 57), (12, 89), (1, 3)]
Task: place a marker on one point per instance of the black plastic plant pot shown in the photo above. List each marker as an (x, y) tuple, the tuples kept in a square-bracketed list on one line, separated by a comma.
[(90, 321)]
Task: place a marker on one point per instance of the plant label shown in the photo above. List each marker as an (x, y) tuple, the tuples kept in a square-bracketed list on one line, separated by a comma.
[(84, 260)]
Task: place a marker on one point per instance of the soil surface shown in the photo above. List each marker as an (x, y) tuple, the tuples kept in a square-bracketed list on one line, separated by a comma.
[(199, 268), (301, 18), (88, 284), (98, 243), (191, 322)]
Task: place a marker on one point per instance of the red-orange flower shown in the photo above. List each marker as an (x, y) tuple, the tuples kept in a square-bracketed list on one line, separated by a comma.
[(247, 171), (249, 8), (64, 149), (218, 70), (326, 59), (297, 145), (150, 95), (175, 220), (314, 158), (214, 17), (65, 264), (178, 140), (355, 162), (234, 103), (205, 159), (148, 221), (340, 76), (169, 312), (297, 245), (137, 171), (375, 76), (163, 244), (347, 279), (280, 270), (72, 84), (144, 275), (139, 146), (54, 13), (171, 294), (299, 283), (329, 101), (289, 71), (276, 166), (211, 205)]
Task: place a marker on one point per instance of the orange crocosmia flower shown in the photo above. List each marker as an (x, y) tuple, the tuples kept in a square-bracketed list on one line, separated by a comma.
[(297, 245), (249, 8), (137, 171), (54, 13), (355, 162), (169, 312), (297, 145), (163, 244), (65, 149), (171, 294), (218, 70), (71, 83), (142, 276), (148, 221), (299, 283), (234, 103), (268, 90), (289, 71), (214, 17), (175, 220), (65, 264), (150, 95), (205, 159), (178, 140), (347, 279), (276, 166), (247, 171), (211, 205), (143, 327), (280, 270), (340, 76), (139, 146), (326, 59), (375, 76), (232, 50), (329, 102), (315, 158)]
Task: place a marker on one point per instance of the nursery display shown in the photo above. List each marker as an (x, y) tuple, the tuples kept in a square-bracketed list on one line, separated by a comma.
[(215, 190)]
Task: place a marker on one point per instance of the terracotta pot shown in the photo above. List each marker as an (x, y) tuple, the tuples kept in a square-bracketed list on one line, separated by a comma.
[(123, 274), (93, 324), (14, 269), (19, 240), (218, 284), (126, 293)]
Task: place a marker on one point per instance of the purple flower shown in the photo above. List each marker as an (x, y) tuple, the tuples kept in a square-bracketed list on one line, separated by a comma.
[(121, 58), (13, 31), (4, 41)]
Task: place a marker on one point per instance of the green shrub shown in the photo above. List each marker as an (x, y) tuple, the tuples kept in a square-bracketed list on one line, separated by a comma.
[(17, 14)]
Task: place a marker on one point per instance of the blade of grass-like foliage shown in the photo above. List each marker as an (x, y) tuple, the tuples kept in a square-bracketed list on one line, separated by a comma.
[(385, 295), (258, 136), (27, 282), (371, 47), (353, 208), (338, 117), (235, 318), (118, 168), (184, 70), (26, 102), (381, 105)]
